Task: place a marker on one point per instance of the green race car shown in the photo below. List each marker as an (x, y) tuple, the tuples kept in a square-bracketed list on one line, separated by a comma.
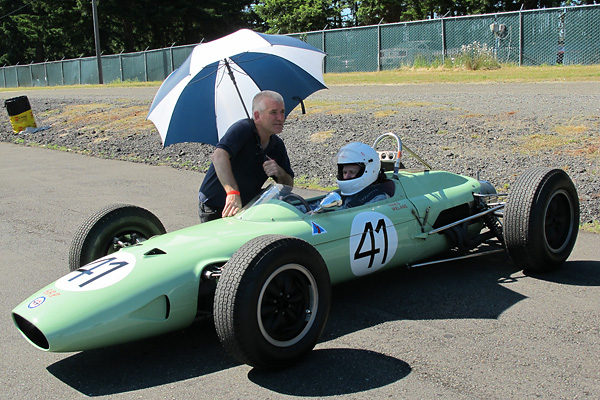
[(264, 276)]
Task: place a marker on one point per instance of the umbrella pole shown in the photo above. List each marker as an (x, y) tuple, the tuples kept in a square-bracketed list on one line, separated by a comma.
[(236, 86), (301, 103)]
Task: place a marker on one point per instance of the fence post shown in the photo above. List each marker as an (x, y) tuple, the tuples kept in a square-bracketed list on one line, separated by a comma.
[(172, 61), (324, 50), (46, 72), (17, 74), (521, 37), (62, 71), (146, 64), (379, 45), (121, 66), (4, 74), (443, 41)]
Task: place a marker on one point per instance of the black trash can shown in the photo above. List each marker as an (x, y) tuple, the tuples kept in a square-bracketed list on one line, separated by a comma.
[(20, 113)]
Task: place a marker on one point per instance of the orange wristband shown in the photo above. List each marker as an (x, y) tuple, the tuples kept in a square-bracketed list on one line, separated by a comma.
[(233, 192)]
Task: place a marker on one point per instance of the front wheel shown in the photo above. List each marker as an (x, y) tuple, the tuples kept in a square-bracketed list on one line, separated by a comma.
[(272, 301), (109, 229), (541, 219)]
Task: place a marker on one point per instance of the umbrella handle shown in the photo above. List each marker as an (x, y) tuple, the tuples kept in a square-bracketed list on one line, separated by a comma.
[(301, 103)]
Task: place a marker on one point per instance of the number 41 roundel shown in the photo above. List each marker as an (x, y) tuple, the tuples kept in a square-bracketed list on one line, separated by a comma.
[(373, 242)]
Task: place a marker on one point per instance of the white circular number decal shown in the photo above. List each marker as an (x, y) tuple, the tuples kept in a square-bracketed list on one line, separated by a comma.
[(98, 274), (373, 242)]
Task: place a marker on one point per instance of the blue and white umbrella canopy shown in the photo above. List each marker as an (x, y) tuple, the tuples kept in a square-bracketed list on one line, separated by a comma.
[(215, 86)]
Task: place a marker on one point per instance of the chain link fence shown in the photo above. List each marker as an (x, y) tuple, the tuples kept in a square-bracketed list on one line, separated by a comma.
[(566, 35), (145, 66)]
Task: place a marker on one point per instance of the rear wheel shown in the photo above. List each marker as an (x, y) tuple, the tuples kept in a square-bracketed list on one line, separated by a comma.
[(109, 229), (541, 219), (272, 301)]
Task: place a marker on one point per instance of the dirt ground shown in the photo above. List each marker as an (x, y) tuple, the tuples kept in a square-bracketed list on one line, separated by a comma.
[(494, 131)]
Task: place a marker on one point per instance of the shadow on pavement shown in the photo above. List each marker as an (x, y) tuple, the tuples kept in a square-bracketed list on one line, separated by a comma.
[(475, 288), (334, 372), (463, 289), (193, 352), (576, 273)]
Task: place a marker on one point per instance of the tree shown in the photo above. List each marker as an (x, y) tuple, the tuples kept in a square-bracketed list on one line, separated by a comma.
[(290, 16), (373, 11), (38, 30), (135, 25), (35, 31)]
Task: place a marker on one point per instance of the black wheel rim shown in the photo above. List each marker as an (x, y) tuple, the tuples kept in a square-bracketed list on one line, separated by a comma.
[(558, 221), (287, 305)]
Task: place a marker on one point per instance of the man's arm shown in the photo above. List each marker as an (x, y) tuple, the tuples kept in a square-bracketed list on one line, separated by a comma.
[(272, 169), (222, 164)]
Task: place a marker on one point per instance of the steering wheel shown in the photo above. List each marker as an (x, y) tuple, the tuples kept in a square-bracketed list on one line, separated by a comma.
[(293, 196)]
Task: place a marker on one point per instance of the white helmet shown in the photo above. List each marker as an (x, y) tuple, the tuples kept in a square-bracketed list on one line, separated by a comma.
[(367, 158)]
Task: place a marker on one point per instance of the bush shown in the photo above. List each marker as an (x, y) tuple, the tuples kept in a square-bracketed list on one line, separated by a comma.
[(476, 56), (473, 57)]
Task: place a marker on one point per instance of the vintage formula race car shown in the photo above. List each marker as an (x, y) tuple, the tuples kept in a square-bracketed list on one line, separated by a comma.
[(264, 276)]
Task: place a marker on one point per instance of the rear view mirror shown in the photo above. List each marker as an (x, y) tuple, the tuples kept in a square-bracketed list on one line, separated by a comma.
[(332, 201)]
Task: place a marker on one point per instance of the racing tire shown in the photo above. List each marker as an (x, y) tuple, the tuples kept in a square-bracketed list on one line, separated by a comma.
[(541, 219), (272, 301), (97, 236)]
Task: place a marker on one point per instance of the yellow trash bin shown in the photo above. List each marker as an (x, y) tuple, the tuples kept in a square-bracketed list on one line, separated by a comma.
[(20, 113)]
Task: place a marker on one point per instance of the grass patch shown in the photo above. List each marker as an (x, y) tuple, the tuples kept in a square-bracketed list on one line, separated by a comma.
[(540, 142), (593, 227), (339, 107), (507, 73), (57, 147), (103, 117), (407, 104), (575, 137), (567, 139), (111, 84), (384, 113), (435, 73), (320, 137), (349, 107), (305, 182), (570, 129)]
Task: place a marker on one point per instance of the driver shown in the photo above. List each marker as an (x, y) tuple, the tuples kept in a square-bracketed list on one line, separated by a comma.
[(358, 171), (358, 178)]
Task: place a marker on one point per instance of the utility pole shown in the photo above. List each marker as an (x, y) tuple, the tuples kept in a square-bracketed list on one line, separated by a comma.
[(97, 40)]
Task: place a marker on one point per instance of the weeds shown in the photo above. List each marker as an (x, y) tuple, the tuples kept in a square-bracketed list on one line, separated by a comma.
[(384, 113), (593, 226), (305, 182), (473, 57), (321, 137), (476, 56)]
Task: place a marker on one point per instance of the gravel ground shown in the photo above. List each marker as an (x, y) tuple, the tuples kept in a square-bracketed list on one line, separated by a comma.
[(494, 131)]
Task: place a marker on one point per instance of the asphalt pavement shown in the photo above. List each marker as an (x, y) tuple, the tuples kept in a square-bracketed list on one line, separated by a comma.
[(477, 329)]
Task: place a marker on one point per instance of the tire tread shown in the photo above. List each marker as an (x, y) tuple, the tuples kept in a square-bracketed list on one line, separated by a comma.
[(97, 222), (522, 238)]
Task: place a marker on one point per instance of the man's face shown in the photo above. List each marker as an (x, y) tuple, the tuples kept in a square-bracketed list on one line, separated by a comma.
[(272, 118), (349, 171)]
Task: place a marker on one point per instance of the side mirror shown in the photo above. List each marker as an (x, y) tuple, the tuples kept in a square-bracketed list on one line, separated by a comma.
[(332, 201)]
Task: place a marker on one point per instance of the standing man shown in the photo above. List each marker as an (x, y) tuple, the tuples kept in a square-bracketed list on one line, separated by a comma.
[(246, 156)]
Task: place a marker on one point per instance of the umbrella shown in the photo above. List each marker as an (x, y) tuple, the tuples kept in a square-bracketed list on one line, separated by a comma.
[(215, 86)]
